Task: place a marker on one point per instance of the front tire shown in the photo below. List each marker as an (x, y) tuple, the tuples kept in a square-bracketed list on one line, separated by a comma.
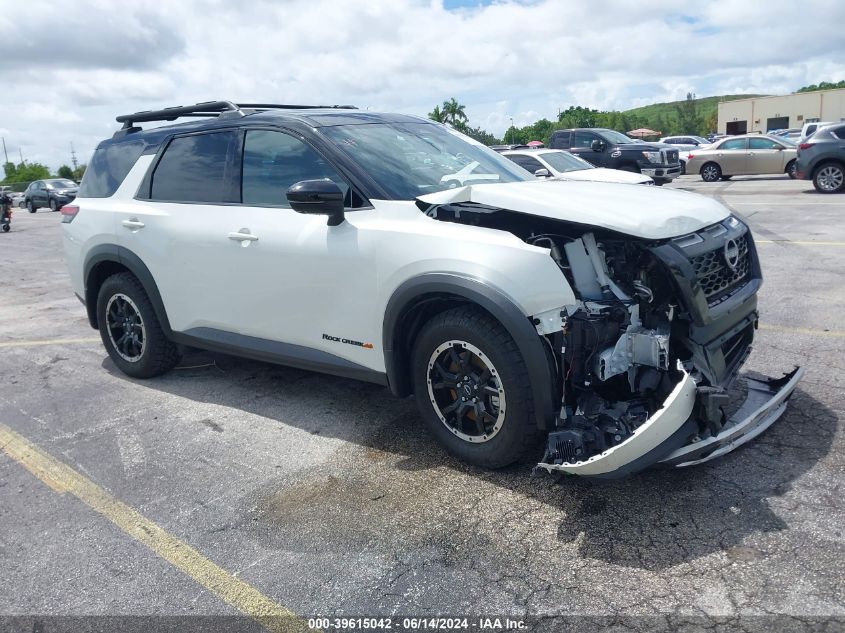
[(130, 330), (53, 206), (472, 388), (710, 172), (829, 178)]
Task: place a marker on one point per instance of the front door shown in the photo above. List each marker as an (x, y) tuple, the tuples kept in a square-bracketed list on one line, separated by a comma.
[(765, 156), (582, 145)]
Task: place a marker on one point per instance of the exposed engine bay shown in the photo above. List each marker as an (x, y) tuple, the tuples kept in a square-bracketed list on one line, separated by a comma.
[(646, 357)]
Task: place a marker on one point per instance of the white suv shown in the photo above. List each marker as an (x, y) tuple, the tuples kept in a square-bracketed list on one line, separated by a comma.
[(609, 320)]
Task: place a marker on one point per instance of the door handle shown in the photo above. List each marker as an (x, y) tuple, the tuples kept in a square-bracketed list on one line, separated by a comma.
[(133, 223), (243, 236)]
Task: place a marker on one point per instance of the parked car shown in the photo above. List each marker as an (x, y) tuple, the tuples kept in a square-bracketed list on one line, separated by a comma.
[(684, 144), (744, 155), (557, 163), (811, 128), (505, 148), (18, 199), (608, 320), (821, 158), (614, 150), (53, 193)]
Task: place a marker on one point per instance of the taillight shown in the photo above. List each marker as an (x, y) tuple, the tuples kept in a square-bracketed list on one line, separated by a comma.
[(69, 212), (690, 156), (805, 146)]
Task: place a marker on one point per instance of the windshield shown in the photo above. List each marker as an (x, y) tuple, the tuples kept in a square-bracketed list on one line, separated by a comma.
[(61, 184), (412, 159), (617, 137), (564, 161)]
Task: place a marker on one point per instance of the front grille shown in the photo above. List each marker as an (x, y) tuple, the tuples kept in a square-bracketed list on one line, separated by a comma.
[(717, 279), (736, 347), (670, 156)]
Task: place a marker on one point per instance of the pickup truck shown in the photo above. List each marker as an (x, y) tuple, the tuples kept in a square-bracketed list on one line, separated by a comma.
[(611, 149)]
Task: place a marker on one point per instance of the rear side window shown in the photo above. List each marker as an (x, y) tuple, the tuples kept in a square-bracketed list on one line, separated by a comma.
[(273, 161), (560, 140), (839, 132), (197, 168), (735, 143), (108, 167)]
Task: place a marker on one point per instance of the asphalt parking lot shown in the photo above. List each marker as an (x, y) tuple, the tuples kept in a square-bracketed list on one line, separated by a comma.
[(229, 485)]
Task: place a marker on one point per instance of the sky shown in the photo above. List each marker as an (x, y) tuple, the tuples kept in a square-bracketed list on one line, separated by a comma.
[(96, 59)]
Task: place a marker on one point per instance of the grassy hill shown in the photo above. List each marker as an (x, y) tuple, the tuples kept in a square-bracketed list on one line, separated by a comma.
[(664, 115)]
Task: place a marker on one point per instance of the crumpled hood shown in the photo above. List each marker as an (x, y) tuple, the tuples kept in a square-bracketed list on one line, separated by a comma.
[(646, 212)]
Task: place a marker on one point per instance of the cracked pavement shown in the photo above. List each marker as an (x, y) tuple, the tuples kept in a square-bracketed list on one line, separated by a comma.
[(329, 496)]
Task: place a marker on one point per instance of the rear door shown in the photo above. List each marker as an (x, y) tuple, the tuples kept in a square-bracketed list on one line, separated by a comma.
[(731, 156), (765, 156)]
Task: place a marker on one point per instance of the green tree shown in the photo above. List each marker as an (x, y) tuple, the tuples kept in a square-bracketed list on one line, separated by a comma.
[(577, 116), (79, 172), (65, 172), (688, 120), (437, 115), (453, 112), (824, 85), (25, 172)]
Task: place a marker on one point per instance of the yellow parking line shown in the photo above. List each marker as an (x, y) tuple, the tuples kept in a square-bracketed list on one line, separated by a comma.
[(55, 341), (63, 478), (802, 330), (805, 242)]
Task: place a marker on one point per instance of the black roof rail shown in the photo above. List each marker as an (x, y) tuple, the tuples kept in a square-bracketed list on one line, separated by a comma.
[(209, 109)]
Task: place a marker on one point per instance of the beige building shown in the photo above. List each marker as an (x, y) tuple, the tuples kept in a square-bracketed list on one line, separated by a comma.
[(762, 114)]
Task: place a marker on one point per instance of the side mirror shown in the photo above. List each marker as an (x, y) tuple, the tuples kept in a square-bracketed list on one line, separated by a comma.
[(542, 173), (317, 197), (597, 146)]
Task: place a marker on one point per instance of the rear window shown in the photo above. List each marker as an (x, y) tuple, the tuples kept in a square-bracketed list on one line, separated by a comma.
[(108, 167), (197, 168)]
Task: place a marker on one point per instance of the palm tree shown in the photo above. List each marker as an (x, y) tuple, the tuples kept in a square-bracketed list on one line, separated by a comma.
[(453, 112), (437, 115)]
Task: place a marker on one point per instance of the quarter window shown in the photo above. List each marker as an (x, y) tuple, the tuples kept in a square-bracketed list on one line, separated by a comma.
[(197, 168), (108, 167), (273, 161)]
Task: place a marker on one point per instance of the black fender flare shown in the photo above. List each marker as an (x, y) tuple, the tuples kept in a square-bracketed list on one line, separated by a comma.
[(494, 301), (134, 264)]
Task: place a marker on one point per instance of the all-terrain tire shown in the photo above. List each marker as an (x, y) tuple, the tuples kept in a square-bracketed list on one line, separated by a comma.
[(159, 354), (518, 433)]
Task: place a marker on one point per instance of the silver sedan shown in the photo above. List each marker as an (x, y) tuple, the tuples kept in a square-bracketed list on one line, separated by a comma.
[(749, 154)]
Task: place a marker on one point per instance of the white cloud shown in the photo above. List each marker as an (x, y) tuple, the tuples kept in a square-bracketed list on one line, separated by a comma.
[(505, 59)]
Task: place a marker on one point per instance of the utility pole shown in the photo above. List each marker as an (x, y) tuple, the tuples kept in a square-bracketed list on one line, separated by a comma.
[(5, 153), (73, 156), (20, 151)]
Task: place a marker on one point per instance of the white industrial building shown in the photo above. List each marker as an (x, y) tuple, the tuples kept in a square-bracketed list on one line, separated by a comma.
[(762, 114)]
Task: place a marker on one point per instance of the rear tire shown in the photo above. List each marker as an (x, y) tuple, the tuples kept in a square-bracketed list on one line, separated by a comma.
[(6, 228), (465, 360), (829, 178), (710, 172), (30, 207), (130, 330), (792, 169)]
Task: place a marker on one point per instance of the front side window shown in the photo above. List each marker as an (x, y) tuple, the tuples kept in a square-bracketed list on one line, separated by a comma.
[(197, 168), (408, 160), (564, 161), (583, 139), (734, 143), (273, 161), (763, 143)]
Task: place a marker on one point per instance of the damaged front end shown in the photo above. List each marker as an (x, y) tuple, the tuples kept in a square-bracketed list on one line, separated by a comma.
[(648, 357)]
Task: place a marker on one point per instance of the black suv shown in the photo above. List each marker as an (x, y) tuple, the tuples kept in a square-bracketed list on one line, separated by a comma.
[(611, 149), (821, 158), (54, 193)]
